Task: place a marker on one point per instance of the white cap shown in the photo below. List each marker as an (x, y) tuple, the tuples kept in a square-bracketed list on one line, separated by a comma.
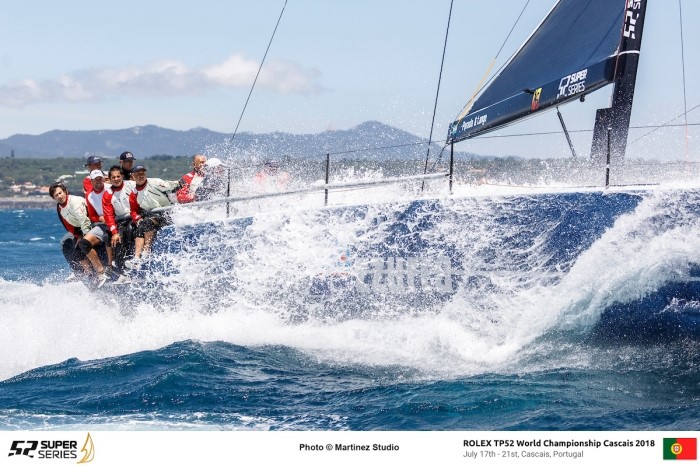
[(213, 162), (96, 173)]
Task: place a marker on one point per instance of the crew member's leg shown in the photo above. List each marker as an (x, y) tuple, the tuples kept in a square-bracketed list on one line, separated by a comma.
[(87, 246), (70, 253), (145, 234), (122, 247)]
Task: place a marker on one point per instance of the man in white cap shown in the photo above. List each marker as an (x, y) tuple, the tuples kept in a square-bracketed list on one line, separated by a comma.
[(215, 180), (96, 212)]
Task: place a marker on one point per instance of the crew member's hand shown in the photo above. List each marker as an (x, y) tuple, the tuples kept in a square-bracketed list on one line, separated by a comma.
[(116, 239)]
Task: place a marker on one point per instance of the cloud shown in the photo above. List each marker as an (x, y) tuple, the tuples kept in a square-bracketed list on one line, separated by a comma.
[(162, 78), (280, 76)]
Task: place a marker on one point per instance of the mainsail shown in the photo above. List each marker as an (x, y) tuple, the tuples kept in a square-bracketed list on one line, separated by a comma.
[(572, 53)]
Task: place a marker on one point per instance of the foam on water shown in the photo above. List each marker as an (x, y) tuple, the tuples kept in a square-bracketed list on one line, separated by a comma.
[(521, 290)]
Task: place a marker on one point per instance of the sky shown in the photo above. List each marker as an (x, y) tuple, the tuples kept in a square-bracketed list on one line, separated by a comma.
[(86, 65)]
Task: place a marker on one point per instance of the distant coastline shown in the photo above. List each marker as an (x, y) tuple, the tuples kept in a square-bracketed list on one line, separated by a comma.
[(26, 202)]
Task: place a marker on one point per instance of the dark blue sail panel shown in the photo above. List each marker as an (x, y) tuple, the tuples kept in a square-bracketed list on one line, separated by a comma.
[(570, 54)]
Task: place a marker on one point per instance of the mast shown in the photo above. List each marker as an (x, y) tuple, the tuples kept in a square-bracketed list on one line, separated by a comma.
[(617, 116)]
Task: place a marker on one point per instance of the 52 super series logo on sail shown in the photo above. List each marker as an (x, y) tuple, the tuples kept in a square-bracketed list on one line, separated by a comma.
[(574, 83)]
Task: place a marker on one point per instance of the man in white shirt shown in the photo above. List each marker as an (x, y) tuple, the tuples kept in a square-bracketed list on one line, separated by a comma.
[(72, 211), (117, 215), (148, 195)]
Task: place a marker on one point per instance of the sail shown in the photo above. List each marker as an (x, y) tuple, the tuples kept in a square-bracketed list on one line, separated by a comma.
[(570, 54)]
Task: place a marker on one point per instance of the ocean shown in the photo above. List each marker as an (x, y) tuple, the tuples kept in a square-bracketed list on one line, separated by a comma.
[(332, 319)]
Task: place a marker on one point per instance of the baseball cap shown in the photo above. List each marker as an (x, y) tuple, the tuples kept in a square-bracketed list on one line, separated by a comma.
[(126, 156), (138, 168), (96, 174), (93, 159), (213, 162)]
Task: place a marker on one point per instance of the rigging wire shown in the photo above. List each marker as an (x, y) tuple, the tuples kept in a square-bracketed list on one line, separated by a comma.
[(481, 84), (685, 101), (437, 93), (658, 127), (420, 143), (235, 131), (438, 158), (258, 73), (547, 133)]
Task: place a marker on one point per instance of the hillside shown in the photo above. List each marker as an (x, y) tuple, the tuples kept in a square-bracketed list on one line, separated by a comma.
[(29, 163), (145, 141)]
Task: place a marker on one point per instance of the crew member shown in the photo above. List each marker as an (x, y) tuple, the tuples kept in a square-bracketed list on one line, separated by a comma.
[(117, 216), (270, 178), (192, 180), (95, 210), (126, 161), (148, 195), (72, 211), (215, 180), (93, 163)]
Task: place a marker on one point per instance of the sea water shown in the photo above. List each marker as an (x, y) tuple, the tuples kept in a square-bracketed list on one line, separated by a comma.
[(510, 349)]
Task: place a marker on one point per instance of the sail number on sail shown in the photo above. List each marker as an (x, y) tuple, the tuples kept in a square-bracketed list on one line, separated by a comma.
[(631, 18)]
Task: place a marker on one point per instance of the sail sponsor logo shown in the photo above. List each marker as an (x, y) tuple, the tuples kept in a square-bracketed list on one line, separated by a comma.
[(392, 275), (573, 84), (631, 18), (400, 275), (536, 99), (474, 121)]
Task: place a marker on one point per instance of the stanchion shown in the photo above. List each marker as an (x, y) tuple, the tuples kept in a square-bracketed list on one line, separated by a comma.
[(328, 171), (607, 163), (452, 163)]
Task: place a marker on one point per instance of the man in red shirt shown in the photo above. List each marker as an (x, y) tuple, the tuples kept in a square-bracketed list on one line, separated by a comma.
[(191, 181), (117, 215), (96, 212), (93, 163)]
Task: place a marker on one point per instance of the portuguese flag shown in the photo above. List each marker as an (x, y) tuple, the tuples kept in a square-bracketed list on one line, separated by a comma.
[(680, 448)]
